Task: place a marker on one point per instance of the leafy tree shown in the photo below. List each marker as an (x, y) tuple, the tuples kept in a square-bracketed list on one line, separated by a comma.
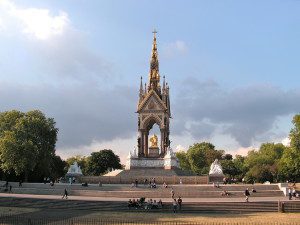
[(201, 155), (100, 162), (27, 142), (289, 165), (239, 164), (227, 157), (229, 168), (58, 167), (183, 160), (295, 133), (266, 158)]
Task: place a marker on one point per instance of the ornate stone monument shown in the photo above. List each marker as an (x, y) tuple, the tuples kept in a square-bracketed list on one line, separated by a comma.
[(74, 170), (153, 108), (216, 172)]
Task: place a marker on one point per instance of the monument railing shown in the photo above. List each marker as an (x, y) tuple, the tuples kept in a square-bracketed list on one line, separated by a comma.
[(158, 179)]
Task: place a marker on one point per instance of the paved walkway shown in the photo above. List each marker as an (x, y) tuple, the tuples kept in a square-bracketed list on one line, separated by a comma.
[(88, 198)]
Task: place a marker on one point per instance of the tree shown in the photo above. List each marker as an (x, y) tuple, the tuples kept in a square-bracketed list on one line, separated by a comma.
[(27, 142), (289, 165), (239, 164), (263, 164), (58, 167), (295, 133), (201, 155), (183, 160), (100, 162)]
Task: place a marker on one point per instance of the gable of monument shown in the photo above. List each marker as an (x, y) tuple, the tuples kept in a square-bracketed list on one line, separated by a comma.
[(151, 103)]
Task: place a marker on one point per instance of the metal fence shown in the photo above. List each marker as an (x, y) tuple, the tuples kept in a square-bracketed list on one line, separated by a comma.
[(19, 220)]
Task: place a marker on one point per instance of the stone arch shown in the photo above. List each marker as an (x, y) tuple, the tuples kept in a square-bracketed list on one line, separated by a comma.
[(150, 120)]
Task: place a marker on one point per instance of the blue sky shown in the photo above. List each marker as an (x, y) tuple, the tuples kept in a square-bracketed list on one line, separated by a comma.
[(233, 68)]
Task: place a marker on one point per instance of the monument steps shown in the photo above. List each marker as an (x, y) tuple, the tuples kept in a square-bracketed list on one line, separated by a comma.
[(186, 191), (59, 204), (152, 172)]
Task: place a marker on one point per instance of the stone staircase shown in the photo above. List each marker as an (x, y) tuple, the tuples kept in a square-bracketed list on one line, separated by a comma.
[(60, 204), (126, 191)]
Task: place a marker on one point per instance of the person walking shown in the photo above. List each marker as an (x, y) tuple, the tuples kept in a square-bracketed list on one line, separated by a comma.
[(247, 194), (179, 201), (174, 205), (65, 195), (172, 193)]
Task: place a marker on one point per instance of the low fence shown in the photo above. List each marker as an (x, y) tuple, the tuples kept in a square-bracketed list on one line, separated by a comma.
[(158, 179)]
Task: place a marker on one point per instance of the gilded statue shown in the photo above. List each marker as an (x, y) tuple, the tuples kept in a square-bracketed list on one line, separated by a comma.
[(153, 141)]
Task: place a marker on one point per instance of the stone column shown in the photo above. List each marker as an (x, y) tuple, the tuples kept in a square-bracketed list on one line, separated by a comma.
[(141, 149), (162, 142), (146, 144)]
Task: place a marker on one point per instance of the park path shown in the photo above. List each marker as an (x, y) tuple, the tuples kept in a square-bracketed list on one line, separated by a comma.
[(89, 198)]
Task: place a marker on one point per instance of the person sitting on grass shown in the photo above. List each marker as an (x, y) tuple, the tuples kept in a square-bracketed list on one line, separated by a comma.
[(155, 205), (129, 203)]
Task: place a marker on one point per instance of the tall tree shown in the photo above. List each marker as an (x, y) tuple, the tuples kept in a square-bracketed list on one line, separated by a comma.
[(289, 165), (100, 162), (183, 160), (27, 142), (263, 164), (201, 155)]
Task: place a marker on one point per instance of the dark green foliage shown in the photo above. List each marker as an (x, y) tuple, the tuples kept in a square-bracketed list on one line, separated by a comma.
[(100, 162), (201, 155), (27, 143), (183, 160)]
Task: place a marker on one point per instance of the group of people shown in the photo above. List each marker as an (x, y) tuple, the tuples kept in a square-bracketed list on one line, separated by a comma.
[(228, 180), (177, 204), (293, 193), (143, 204)]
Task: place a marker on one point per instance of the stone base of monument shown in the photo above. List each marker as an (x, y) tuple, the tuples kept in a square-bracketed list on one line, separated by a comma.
[(153, 152), (215, 178), (151, 163)]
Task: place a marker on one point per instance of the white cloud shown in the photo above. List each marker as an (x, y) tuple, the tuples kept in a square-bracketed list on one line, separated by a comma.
[(174, 49), (241, 151), (286, 141), (120, 146), (34, 22)]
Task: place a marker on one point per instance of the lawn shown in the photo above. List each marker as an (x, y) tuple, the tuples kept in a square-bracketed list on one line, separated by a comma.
[(161, 218)]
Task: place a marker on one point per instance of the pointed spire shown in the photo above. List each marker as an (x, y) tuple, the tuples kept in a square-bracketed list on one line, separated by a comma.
[(141, 85), (141, 89), (164, 83), (154, 65)]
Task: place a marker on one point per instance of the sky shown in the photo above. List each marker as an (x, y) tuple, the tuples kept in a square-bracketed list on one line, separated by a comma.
[(232, 67)]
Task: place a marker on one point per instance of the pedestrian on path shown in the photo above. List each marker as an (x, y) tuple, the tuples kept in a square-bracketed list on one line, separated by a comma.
[(172, 193), (179, 201), (65, 195), (174, 205), (247, 194)]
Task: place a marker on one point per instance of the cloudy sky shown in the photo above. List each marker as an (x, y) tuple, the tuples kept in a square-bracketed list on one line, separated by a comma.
[(232, 66)]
